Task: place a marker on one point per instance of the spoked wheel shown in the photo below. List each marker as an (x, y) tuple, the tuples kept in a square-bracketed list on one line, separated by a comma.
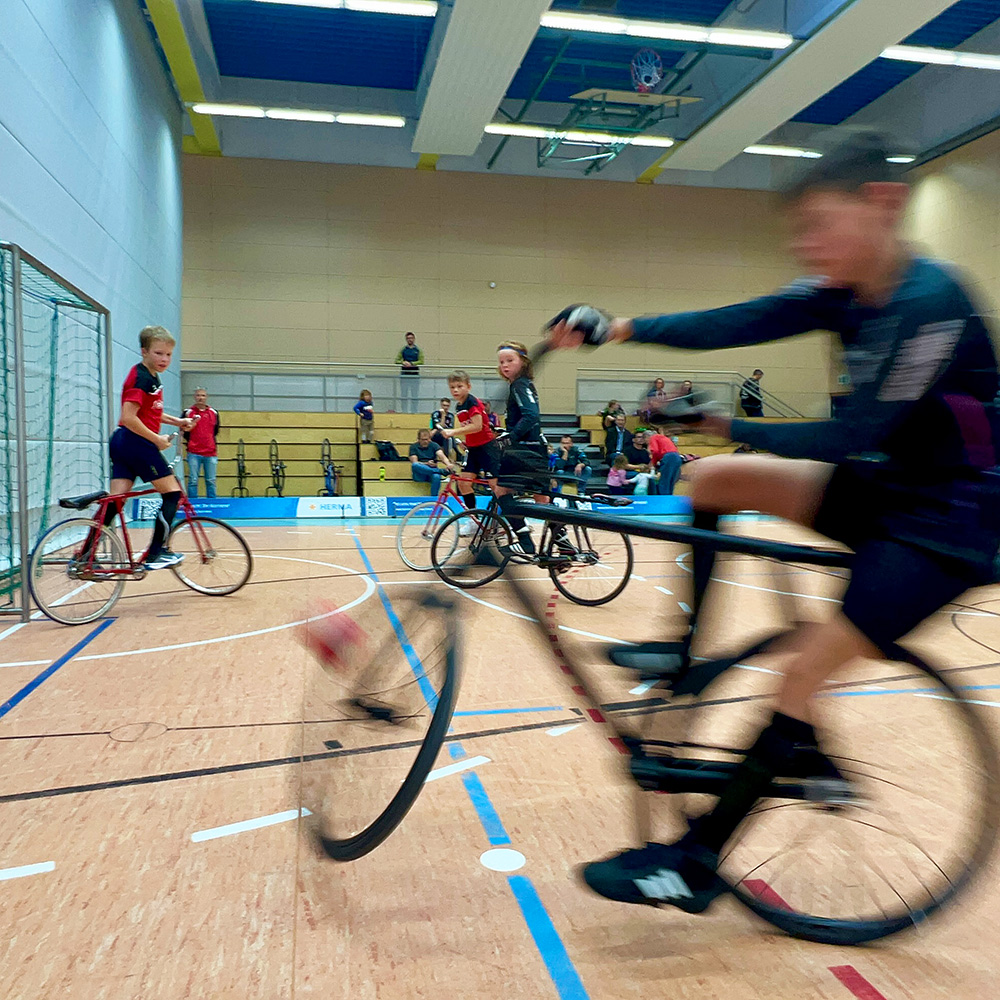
[(72, 586), (416, 533), (374, 722), (217, 559), (849, 862), (598, 569), (471, 548)]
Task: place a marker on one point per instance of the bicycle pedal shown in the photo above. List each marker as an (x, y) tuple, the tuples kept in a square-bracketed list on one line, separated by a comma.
[(830, 792)]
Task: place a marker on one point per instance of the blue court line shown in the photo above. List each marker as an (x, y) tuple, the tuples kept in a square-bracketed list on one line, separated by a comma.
[(553, 952), (550, 947), (933, 690), (50, 670), (511, 711)]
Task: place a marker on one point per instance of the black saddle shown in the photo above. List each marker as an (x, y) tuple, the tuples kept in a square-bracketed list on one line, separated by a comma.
[(79, 503)]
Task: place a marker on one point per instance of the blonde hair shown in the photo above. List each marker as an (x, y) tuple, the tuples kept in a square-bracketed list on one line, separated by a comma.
[(459, 375), (149, 334), (518, 348), (620, 462)]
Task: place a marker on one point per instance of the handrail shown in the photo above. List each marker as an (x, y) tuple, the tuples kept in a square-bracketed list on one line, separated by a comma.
[(319, 367)]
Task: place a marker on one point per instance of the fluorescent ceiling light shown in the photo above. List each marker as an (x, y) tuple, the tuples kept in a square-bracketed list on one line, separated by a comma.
[(900, 159), (292, 115), (577, 137), (229, 110), (666, 30), (386, 121), (942, 57), (808, 154), (414, 8)]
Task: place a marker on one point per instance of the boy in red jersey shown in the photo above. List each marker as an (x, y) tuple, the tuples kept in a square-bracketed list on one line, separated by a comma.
[(137, 443)]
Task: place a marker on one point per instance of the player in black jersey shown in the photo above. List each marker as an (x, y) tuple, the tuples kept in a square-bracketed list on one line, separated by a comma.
[(906, 475)]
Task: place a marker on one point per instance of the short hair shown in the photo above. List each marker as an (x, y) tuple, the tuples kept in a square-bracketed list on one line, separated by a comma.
[(149, 334), (758, 371), (851, 158), (445, 399), (410, 333), (459, 375), (199, 388)]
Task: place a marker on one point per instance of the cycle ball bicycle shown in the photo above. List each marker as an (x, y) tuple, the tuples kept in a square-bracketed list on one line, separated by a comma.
[(79, 567)]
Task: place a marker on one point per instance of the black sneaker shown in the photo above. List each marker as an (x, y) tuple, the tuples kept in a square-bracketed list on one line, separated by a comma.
[(164, 559), (681, 875)]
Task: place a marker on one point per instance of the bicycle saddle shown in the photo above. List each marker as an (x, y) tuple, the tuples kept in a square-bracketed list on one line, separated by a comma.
[(79, 503), (609, 500)]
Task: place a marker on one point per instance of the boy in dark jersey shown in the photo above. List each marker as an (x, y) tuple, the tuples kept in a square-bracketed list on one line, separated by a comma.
[(482, 458), (136, 446), (905, 475)]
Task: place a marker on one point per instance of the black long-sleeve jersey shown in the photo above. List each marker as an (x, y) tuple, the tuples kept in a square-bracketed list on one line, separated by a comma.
[(523, 422)]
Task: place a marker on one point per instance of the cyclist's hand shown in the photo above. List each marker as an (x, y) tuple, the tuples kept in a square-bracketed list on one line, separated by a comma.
[(164, 441), (582, 324)]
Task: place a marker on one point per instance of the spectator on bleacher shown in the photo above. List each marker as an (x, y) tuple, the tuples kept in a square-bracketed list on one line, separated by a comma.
[(491, 417), (637, 453), (617, 439), (751, 397), (201, 444), (365, 410), (609, 413), (570, 460), (426, 461), (655, 398), (442, 419), (409, 359), (666, 460)]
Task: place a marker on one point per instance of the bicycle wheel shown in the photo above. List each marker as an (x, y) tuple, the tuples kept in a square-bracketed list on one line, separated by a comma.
[(917, 819), (471, 548), (217, 560), (373, 728), (417, 530), (598, 571), (72, 587)]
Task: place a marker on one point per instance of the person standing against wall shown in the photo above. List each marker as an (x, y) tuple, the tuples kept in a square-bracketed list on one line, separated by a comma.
[(751, 398), (201, 444), (409, 359)]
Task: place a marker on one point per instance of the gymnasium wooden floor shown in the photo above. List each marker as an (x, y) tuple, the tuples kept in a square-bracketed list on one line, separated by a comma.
[(177, 718)]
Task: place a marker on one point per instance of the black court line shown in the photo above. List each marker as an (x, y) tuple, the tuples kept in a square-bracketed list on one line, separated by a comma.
[(256, 765)]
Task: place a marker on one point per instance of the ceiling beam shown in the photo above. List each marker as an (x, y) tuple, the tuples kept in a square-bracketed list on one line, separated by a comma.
[(847, 43), (483, 48)]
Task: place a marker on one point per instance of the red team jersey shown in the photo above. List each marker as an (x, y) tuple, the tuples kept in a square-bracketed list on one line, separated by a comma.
[(466, 411), (202, 439), (143, 387)]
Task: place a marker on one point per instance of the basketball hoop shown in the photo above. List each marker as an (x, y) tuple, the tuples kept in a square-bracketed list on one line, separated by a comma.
[(647, 70)]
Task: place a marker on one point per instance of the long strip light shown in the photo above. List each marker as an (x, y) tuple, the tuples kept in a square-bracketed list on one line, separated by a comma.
[(413, 8), (605, 25), (577, 137), (298, 115), (808, 154), (942, 57)]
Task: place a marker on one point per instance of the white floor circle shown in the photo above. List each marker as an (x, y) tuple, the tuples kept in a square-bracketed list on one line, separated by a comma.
[(502, 859)]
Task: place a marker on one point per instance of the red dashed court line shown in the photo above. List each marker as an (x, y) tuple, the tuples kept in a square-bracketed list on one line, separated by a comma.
[(765, 893), (856, 983)]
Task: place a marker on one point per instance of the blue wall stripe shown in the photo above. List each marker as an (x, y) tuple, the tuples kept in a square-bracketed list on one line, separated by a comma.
[(50, 670)]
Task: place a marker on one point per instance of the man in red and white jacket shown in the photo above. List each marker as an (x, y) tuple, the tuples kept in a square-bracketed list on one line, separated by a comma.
[(200, 441)]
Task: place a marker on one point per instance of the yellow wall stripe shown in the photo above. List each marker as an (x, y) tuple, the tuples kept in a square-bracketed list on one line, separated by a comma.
[(170, 31)]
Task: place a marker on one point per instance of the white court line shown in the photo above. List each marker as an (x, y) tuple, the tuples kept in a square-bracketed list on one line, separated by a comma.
[(684, 607), (643, 688), (10, 631), (758, 670), (296, 531), (22, 870), (486, 604), (971, 701), (248, 824), (663, 590), (562, 730), (595, 635), (460, 765), (635, 576), (369, 590)]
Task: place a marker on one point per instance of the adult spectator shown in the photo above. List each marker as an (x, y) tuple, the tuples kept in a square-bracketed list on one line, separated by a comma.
[(609, 413), (442, 418), (569, 459), (201, 444), (617, 439), (666, 460), (655, 398), (426, 461), (409, 359), (637, 453), (751, 397)]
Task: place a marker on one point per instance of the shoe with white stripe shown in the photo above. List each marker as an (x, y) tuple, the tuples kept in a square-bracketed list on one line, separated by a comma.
[(681, 875)]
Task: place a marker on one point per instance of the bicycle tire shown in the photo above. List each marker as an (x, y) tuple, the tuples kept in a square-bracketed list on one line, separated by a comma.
[(413, 541), (54, 597), (918, 841), (366, 782), (589, 555), (234, 562), (482, 559)]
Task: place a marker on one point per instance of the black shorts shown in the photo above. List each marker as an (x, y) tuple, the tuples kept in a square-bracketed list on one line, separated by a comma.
[(907, 564), (133, 457), (483, 460), (526, 462)]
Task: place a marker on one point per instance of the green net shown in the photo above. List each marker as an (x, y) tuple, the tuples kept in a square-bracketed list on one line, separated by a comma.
[(64, 406)]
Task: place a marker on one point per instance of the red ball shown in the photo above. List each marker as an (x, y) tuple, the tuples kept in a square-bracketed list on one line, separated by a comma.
[(334, 637)]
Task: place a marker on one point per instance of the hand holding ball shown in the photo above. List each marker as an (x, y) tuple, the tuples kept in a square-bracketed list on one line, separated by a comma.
[(592, 323)]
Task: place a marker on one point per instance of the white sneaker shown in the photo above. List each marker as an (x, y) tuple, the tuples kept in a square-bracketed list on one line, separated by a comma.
[(164, 559), (466, 527)]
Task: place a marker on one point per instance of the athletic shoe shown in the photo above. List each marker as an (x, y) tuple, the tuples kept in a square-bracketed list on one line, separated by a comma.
[(681, 875), (466, 527), (164, 559)]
